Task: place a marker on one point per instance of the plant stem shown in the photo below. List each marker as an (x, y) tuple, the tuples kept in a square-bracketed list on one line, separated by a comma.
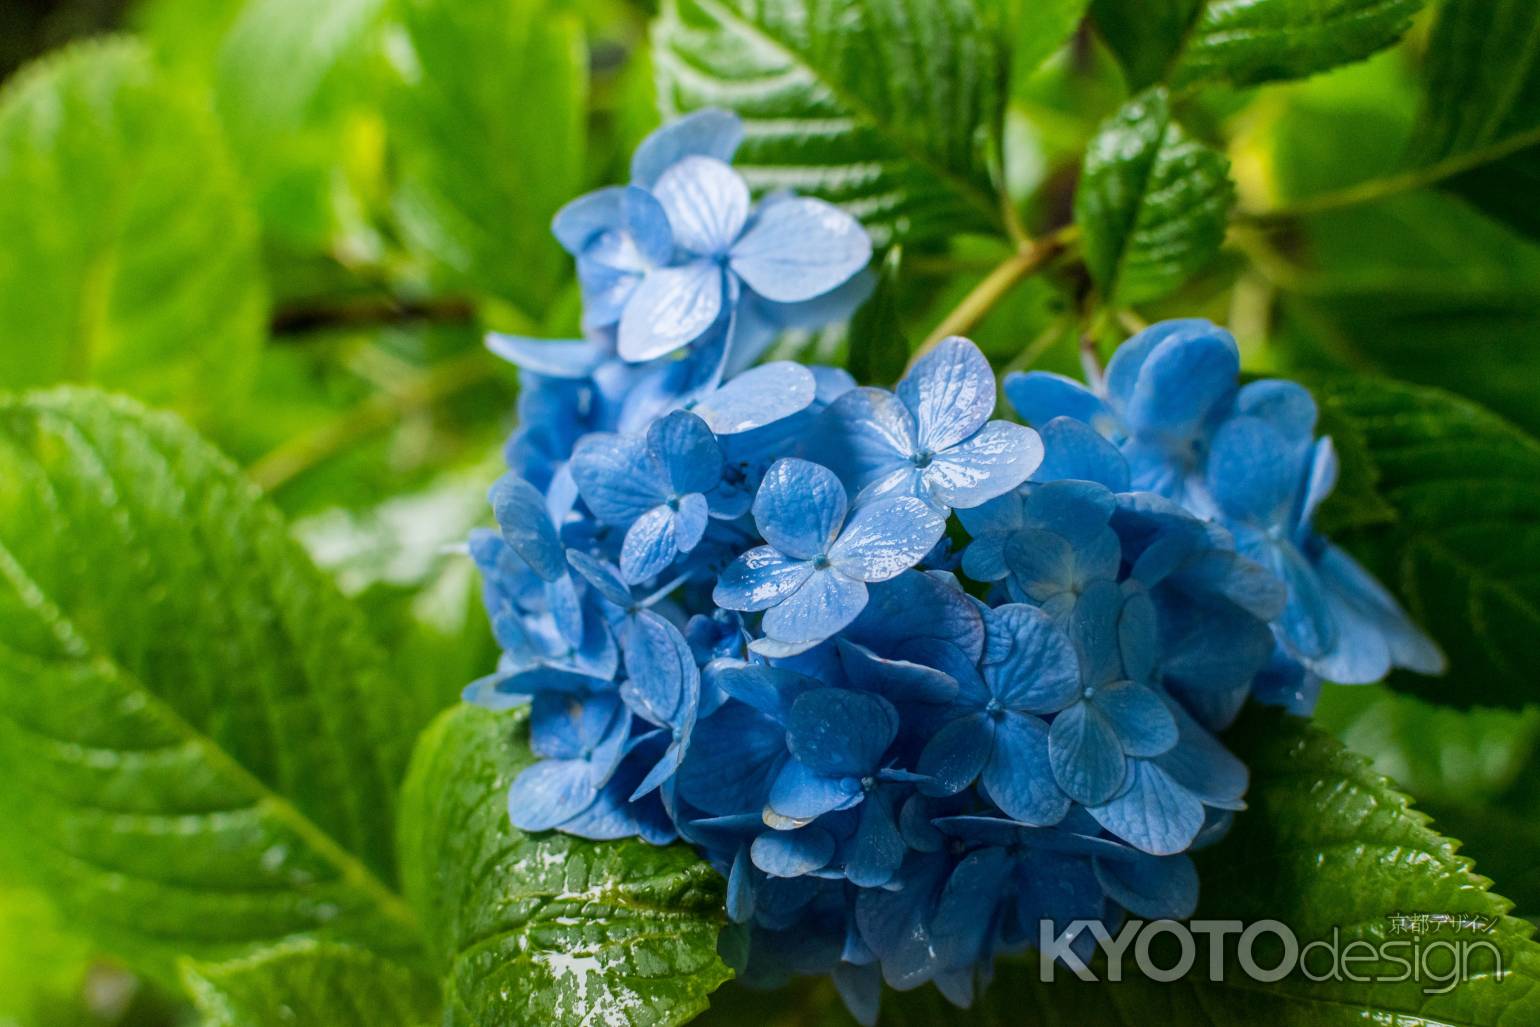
[(1027, 260), (303, 452), (1405, 181)]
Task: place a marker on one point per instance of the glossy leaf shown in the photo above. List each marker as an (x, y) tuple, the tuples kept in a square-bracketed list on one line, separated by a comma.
[(1040, 27), (1152, 202), (308, 982), (547, 929), (888, 108), (199, 738), (1481, 106), (130, 255), (1186, 42), (1453, 529), (490, 124)]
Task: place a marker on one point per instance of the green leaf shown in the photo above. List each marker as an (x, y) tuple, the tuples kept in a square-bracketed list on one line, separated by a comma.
[(307, 983), (1325, 844), (490, 128), (547, 929), (889, 108), (1462, 549), (1152, 202), (1481, 106), (199, 739), (130, 255), (878, 348), (1187, 42), (287, 79), (1040, 28)]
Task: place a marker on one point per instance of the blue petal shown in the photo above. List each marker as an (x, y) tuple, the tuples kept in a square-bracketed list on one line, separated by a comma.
[(1154, 887), (1183, 378), (707, 203), (955, 755), (1039, 672), (825, 602), (877, 850), (951, 393), (1073, 449), (581, 219), (1019, 777), (759, 396), (1087, 758), (1253, 472), (664, 683), (553, 358), (604, 577), (864, 435), (1093, 627), (910, 616), (616, 477), (860, 989), (1041, 563), (1143, 724), (896, 680), (759, 579), (1154, 813), (1287, 406), (735, 754), (1078, 510), (740, 889), (650, 545), (801, 794), (800, 248), (770, 690), (1040, 396), (647, 225), (836, 731), (1366, 610), (549, 793), (886, 537), (710, 132), (520, 511), (1320, 482), (965, 914), (567, 727), (1199, 764), (799, 508), (671, 306), (683, 446), (690, 521), (793, 853), (989, 463)]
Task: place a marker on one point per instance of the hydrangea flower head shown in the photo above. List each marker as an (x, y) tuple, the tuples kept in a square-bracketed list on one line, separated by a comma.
[(731, 600)]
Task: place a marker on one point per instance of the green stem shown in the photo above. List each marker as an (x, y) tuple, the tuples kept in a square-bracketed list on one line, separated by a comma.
[(1405, 181), (1026, 261)]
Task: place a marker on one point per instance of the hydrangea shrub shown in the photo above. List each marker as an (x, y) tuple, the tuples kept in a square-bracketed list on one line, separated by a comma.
[(911, 676)]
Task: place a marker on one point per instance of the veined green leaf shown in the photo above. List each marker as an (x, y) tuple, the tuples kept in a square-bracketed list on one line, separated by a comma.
[(889, 108), (1325, 845), (1187, 42), (490, 125), (1462, 548), (130, 255), (1152, 202), (1481, 106), (547, 929), (200, 742), (310, 984)]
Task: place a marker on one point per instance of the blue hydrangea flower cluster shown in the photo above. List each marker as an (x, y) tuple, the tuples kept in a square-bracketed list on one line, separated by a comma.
[(913, 678)]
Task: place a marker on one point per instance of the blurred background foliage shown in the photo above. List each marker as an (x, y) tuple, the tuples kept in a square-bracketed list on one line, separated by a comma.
[(342, 197)]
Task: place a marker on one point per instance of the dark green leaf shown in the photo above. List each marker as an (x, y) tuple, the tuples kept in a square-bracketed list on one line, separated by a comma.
[(1040, 27), (1186, 42), (1481, 105), (199, 740), (878, 349), (1462, 550), (310, 984), (491, 132), (1152, 202), (547, 929), (130, 255), (889, 108), (1325, 844)]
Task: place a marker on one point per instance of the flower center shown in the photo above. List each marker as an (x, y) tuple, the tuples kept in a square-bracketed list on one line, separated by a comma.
[(923, 458), (820, 562), (994, 709)]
